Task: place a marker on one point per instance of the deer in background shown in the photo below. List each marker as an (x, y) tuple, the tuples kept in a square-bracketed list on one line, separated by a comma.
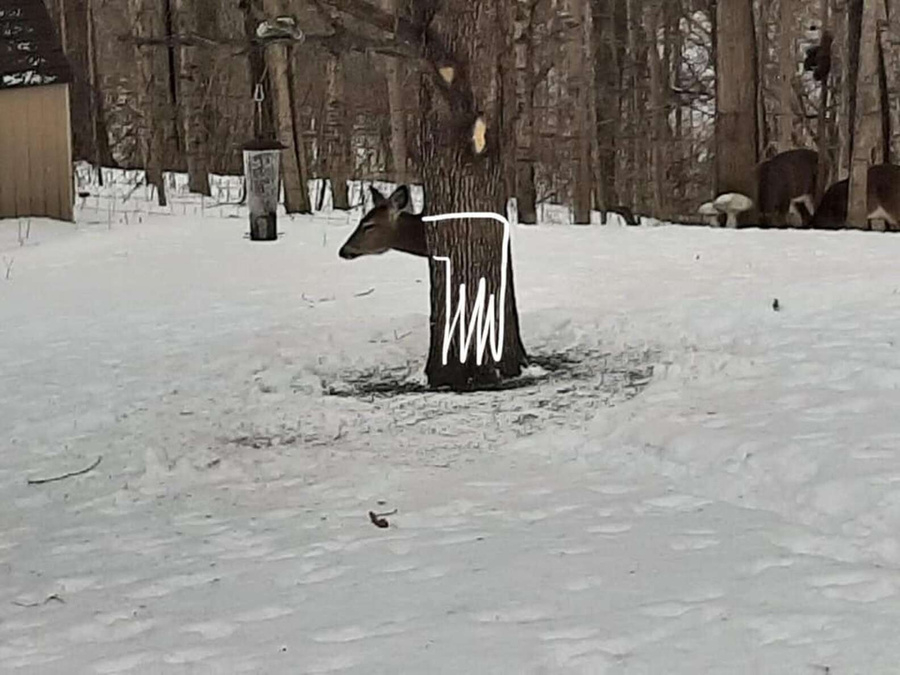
[(787, 182), (387, 226), (882, 198)]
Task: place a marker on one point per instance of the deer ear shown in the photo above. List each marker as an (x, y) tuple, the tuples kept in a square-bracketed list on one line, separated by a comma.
[(400, 198), (377, 197)]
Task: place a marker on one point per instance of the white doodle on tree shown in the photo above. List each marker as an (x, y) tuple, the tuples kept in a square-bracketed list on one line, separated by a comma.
[(485, 325)]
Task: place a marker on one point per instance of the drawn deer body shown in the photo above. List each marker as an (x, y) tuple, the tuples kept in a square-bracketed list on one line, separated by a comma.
[(787, 183), (387, 226), (882, 199)]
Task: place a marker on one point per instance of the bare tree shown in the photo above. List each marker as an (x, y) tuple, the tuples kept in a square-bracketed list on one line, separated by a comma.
[(523, 48), (659, 85), (786, 68), (193, 83), (296, 192), (336, 132), (736, 107), (607, 19), (462, 137), (581, 80), (154, 95), (395, 70), (99, 134), (868, 114), (73, 16)]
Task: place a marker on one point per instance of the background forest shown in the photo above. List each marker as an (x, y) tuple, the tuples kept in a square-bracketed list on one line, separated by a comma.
[(613, 102)]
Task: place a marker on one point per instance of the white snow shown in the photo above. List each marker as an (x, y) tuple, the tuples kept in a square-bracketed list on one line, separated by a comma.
[(739, 514)]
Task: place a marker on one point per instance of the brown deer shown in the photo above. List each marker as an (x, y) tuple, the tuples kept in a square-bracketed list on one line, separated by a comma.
[(787, 181), (882, 197), (387, 226)]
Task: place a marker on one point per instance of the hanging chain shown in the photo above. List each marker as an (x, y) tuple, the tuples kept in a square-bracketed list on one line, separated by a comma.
[(259, 95)]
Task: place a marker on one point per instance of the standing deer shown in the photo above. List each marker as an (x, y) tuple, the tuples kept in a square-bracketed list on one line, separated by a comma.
[(387, 226), (787, 181), (882, 198)]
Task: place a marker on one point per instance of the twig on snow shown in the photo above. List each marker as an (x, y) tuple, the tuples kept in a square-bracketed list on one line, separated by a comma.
[(379, 520), (364, 293), (54, 596), (39, 481)]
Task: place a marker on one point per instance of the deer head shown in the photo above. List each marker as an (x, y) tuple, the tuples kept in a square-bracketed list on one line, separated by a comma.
[(386, 226)]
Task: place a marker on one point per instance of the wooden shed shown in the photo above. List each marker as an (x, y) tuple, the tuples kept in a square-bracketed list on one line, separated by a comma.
[(36, 173)]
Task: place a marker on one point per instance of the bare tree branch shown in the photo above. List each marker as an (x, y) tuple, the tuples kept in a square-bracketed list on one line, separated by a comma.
[(384, 33)]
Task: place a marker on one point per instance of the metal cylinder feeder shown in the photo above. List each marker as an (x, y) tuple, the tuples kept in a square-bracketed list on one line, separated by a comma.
[(262, 174)]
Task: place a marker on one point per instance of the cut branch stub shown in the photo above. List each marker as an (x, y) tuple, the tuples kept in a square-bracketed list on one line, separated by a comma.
[(479, 132), (448, 73)]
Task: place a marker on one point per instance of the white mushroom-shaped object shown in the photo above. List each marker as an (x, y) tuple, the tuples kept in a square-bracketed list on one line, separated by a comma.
[(732, 203)]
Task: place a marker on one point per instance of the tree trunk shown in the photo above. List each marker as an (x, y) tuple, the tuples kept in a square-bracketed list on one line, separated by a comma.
[(99, 133), (636, 150), (296, 192), (74, 38), (854, 28), (153, 93), (395, 70), (867, 124), (736, 111), (192, 84), (658, 88), (823, 136), (787, 63), (462, 164), (337, 133), (890, 49), (608, 100), (580, 70), (526, 194)]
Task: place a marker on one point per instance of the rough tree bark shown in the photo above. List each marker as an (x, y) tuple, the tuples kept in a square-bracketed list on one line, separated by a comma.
[(194, 18), (581, 80), (74, 38), (890, 49), (868, 116), (296, 193), (786, 67), (462, 169), (823, 136), (336, 132), (153, 92), (636, 145), (679, 154), (99, 132), (526, 194), (736, 111), (658, 88), (853, 42), (609, 97), (395, 71)]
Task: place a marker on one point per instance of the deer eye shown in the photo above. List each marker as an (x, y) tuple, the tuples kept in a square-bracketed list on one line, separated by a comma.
[(368, 226)]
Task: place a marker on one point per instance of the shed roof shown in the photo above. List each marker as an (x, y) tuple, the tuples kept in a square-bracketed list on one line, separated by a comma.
[(30, 51)]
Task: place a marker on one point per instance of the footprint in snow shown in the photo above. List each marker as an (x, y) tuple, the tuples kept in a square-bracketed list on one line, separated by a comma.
[(610, 528), (853, 586), (212, 630), (512, 615), (693, 543)]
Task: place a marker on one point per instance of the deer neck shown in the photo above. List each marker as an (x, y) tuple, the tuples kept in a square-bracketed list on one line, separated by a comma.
[(411, 235)]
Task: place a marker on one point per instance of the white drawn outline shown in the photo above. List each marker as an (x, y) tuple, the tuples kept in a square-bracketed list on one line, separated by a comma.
[(479, 309)]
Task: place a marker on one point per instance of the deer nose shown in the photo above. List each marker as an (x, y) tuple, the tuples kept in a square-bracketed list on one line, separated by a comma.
[(347, 255)]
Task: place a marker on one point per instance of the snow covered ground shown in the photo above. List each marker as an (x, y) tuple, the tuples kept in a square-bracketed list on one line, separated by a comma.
[(739, 513)]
